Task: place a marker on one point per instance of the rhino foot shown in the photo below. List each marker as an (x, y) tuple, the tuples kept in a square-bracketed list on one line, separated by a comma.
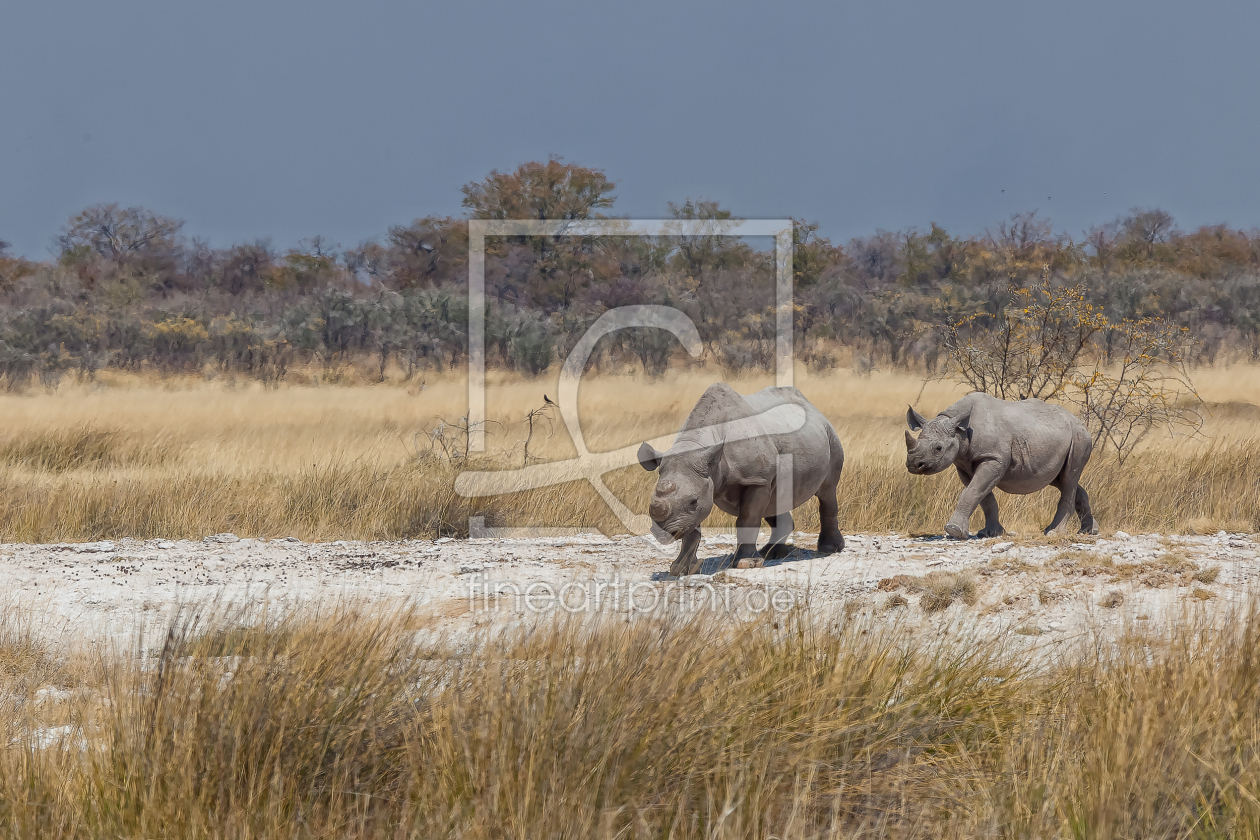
[(683, 569), (776, 551), (830, 544), (688, 562), (1091, 528), (746, 557), (994, 531), (955, 531)]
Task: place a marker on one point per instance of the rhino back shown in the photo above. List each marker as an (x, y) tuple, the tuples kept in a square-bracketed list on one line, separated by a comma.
[(720, 403), (814, 447), (1033, 438), (812, 437)]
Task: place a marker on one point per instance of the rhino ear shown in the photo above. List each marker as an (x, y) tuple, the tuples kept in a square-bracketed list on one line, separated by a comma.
[(962, 423), (649, 458), (915, 420), (713, 453)]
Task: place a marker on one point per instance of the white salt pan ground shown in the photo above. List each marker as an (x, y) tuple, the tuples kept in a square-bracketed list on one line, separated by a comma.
[(99, 593)]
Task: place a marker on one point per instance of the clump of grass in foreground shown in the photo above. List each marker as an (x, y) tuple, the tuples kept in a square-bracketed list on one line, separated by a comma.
[(26, 660), (336, 724), (939, 589), (1208, 574)]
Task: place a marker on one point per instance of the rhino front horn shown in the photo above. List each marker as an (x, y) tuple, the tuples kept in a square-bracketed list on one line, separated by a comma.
[(910, 441)]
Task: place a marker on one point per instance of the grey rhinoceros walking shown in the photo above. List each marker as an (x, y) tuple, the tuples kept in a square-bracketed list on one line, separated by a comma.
[(1018, 447), (709, 465)]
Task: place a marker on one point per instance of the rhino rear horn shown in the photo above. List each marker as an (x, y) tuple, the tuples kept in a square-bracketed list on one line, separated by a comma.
[(649, 458), (915, 420)]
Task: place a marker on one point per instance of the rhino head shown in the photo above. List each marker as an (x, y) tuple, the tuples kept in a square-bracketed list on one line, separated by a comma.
[(938, 442), (684, 491)]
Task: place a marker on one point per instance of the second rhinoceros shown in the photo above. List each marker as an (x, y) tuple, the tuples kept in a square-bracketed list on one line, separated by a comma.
[(1017, 447), (727, 454)]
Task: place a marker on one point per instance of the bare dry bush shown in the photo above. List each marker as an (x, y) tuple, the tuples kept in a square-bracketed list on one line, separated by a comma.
[(1208, 574), (1125, 379), (1112, 599), (1140, 384), (1032, 349)]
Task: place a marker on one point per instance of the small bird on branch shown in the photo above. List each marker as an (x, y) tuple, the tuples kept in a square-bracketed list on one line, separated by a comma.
[(547, 400)]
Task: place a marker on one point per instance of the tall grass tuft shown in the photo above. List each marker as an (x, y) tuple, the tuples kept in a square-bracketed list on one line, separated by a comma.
[(81, 447), (336, 724)]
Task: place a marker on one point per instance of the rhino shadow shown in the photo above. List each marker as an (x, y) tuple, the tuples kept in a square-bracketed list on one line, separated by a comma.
[(722, 562)]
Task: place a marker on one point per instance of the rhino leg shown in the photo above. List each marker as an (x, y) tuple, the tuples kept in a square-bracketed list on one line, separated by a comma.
[(992, 527), (979, 485), (781, 526), (1089, 525), (1071, 494), (1067, 499), (752, 507), (830, 540), (1068, 482), (687, 563)]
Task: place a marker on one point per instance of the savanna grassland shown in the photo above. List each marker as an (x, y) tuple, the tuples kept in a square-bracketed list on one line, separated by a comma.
[(156, 387), (333, 720), (334, 723), (185, 457)]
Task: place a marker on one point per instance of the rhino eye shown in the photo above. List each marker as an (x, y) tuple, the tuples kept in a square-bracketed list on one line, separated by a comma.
[(938, 447), (694, 503)]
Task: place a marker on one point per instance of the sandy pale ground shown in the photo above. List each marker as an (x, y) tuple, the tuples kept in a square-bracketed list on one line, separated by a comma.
[(107, 592)]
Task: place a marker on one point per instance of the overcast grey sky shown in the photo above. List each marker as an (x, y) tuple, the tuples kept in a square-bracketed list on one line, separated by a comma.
[(282, 119)]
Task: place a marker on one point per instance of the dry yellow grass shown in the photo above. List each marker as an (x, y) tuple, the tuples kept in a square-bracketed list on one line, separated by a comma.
[(184, 458), (333, 724)]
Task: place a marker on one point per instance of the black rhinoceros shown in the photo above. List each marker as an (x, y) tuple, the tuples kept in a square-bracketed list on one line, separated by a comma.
[(1017, 447), (707, 466)]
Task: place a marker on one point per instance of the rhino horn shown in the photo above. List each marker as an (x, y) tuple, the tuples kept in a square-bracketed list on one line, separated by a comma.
[(910, 441)]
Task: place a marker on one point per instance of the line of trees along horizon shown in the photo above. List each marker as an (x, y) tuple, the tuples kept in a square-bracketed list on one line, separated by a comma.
[(127, 289)]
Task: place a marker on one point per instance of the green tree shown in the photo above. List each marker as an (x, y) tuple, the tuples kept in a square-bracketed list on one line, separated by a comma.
[(697, 255), (811, 254)]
